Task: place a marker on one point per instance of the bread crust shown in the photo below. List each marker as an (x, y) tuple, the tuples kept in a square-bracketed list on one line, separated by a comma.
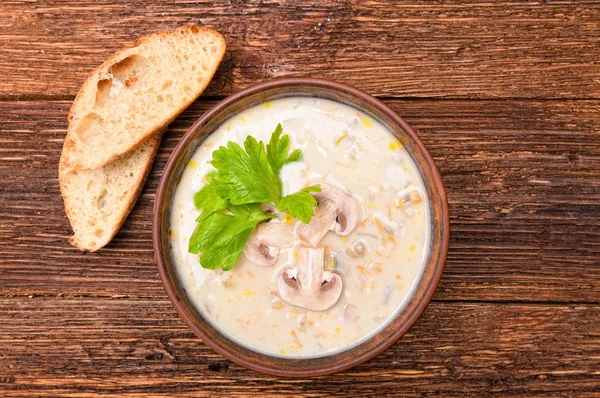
[(69, 144), (139, 184)]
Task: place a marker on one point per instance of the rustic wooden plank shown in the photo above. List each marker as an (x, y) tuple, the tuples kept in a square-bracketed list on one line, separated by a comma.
[(67, 346), (522, 49), (523, 182)]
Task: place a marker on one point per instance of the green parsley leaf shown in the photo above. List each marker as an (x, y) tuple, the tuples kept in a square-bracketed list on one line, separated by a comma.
[(294, 157), (230, 201), (245, 176), (277, 149), (220, 237), (207, 232), (207, 200), (300, 204), (225, 252)]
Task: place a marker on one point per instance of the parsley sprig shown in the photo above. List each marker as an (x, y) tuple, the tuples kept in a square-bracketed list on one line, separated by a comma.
[(230, 201)]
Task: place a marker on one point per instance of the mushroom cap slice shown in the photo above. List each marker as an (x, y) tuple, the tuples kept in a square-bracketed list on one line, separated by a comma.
[(336, 210), (307, 285), (263, 244), (322, 222), (347, 210)]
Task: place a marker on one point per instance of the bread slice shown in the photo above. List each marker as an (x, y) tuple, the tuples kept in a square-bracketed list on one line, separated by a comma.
[(137, 92), (98, 201), (117, 120)]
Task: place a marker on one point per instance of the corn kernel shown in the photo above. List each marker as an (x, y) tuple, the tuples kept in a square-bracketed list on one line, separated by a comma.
[(338, 330), (394, 145), (192, 163), (367, 122), (288, 219)]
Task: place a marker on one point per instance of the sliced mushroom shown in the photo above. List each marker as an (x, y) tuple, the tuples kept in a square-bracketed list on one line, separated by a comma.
[(268, 208), (376, 266), (358, 249), (301, 322), (347, 210), (407, 197), (350, 311), (307, 285), (336, 210), (322, 222), (265, 241)]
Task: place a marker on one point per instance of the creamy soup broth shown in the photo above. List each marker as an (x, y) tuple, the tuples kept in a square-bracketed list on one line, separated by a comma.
[(379, 262)]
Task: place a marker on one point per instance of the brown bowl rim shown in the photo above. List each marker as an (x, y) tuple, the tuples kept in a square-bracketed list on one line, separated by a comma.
[(161, 192)]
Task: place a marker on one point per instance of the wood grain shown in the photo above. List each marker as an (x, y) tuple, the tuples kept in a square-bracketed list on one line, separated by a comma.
[(505, 95), (81, 347), (480, 49), (523, 183)]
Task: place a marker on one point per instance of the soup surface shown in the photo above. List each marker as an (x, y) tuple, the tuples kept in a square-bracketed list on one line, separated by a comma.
[(378, 263)]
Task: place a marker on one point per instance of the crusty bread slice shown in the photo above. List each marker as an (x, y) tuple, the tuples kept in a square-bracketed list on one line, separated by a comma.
[(137, 92), (98, 201), (116, 123)]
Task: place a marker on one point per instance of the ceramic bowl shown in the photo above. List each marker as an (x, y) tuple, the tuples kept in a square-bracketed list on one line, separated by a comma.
[(208, 123)]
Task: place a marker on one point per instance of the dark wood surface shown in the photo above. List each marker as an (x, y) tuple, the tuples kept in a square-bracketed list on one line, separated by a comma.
[(505, 96), (524, 49)]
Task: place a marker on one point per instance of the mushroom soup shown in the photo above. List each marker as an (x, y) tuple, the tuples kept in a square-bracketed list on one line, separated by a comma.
[(309, 290)]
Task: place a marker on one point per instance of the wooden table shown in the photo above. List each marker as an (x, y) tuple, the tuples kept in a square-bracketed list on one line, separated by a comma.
[(505, 96)]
